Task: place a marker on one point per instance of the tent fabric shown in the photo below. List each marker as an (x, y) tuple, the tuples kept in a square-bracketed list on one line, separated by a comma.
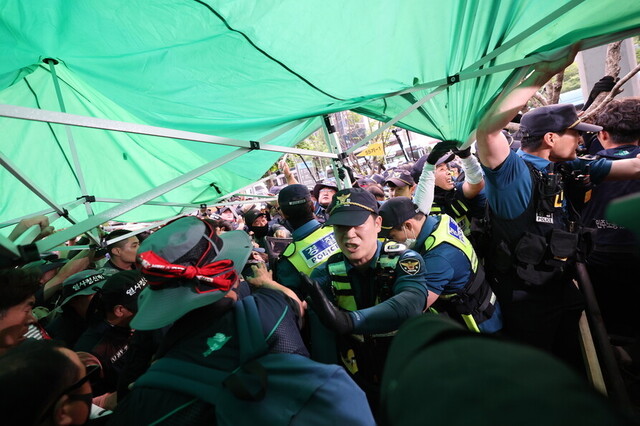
[(246, 68)]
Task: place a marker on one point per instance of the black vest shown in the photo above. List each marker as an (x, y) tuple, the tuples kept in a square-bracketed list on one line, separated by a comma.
[(535, 248)]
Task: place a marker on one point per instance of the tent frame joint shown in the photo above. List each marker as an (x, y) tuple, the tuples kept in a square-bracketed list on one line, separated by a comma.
[(453, 79), (29, 252), (87, 198), (327, 122), (254, 145)]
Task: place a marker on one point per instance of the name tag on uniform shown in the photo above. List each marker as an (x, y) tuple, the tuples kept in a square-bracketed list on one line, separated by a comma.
[(544, 218), (319, 251)]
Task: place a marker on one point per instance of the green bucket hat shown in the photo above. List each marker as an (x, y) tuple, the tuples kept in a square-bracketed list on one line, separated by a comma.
[(81, 284), (192, 243)]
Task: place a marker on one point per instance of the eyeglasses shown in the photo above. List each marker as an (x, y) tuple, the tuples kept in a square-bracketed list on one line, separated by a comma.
[(92, 372), (326, 190)]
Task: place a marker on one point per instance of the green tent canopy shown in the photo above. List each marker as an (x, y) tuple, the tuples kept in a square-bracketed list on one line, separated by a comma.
[(212, 76)]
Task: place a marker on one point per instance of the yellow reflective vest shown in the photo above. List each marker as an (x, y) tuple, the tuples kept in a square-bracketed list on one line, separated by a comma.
[(313, 250), (385, 265)]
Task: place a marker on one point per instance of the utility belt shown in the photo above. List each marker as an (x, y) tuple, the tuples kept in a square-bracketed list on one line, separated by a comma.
[(475, 304), (364, 356), (538, 260)]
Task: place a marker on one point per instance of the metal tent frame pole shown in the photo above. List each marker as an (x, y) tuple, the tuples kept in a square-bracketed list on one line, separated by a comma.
[(60, 237), (334, 146), (34, 114), (72, 144), (185, 205), (11, 168), (66, 206)]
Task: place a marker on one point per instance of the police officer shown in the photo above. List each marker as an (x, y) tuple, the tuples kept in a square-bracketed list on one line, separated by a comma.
[(464, 200), (454, 277), (312, 243), (532, 243), (613, 264), (365, 292)]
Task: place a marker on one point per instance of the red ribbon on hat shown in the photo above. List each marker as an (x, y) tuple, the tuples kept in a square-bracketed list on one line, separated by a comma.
[(219, 274)]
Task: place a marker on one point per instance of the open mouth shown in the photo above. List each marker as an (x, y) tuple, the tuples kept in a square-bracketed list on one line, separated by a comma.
[(351, 247)]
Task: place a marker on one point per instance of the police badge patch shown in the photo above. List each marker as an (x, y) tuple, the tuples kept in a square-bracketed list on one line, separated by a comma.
[(411, 265)]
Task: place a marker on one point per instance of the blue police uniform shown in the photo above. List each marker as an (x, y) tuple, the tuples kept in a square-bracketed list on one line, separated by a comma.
[(613, 264), (531, 250), (374, 313), (379, 300), (449, 270)]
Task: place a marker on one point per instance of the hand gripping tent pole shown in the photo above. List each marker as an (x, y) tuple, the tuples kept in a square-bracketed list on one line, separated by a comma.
[(51, 211), (11, 168)]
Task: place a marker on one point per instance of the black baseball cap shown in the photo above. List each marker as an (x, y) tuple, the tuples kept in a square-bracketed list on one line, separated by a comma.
[(400, 177), (351, 207), (553, 118), (123, 289), (395, 212), (293, 195)]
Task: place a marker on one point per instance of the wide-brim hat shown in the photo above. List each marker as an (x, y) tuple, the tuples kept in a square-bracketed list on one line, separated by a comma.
[(43, 266), (81, 284), (160, 307)]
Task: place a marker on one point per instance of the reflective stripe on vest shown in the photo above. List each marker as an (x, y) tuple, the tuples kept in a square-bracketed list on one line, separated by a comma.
[(448, 231), (341, 286), (460, 214), (313, 250), (345, 296)]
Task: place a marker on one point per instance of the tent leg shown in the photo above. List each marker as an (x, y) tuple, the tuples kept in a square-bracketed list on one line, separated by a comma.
[(95, 220), (335, 148)]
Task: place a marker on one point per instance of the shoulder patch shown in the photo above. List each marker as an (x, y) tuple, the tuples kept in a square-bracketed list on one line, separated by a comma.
[(410, 265)]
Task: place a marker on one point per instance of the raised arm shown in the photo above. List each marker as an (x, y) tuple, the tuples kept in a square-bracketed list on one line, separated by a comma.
[(625, 169), (492, 145)]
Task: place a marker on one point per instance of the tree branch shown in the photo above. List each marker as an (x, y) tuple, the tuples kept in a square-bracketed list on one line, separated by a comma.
[(595, 108)]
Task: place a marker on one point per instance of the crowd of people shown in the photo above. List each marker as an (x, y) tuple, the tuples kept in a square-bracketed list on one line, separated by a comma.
[(448, 280)]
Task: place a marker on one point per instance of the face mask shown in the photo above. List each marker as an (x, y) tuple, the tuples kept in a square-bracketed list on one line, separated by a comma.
[(260, 231), (409, 242)]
